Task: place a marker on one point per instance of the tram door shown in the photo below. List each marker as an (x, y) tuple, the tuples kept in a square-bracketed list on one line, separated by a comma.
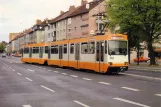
[(49, 52), (60, 54), (41, 52), (100, 56), (30, 55), (77, 55)]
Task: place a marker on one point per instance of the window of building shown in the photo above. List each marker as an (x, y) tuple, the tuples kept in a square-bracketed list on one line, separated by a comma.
[(72, 48), (46, 49), (60, 32), (52, 34), (91, 47), (84, 48), (69, 30), (65, 49), (58, 24), (69, 21), (48, 35), (64, 22)]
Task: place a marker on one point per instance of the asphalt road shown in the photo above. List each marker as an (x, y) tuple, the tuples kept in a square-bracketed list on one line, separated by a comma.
[(27, 85)]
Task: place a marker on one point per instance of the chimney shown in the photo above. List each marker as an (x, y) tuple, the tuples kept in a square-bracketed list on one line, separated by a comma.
[(38, 22), (84, 2), (61, 12), (72, 8)]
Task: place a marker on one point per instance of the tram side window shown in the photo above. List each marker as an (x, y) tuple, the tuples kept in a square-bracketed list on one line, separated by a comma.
[(105, 47), (72, 48), (65, 49), (26, 50), (91, 47), (84, 48), (37, 50), (46, 49), (54, 49), (34, 50)]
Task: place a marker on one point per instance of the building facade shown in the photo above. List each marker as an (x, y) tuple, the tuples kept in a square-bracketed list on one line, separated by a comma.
[(12, 36)]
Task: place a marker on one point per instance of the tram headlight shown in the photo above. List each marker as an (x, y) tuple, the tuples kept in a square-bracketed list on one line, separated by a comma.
[(110, 63), (126, 63)]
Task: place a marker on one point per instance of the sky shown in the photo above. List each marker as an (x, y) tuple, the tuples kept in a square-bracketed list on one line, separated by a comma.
[(17, 15)]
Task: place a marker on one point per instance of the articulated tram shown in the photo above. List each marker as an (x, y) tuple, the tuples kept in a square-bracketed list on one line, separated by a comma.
[(102, 54)]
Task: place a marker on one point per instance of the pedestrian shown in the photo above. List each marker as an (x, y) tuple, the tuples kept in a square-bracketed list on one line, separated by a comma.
[(156, 60), (10, 55)]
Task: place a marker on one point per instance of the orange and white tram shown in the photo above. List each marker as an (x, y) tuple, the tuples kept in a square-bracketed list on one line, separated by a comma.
[(35, 53), (102, 54)]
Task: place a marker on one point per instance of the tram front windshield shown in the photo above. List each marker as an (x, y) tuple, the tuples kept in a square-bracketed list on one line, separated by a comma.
[(117, 47)]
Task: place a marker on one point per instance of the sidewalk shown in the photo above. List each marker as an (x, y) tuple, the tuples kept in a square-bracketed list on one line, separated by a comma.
[(145, 67)]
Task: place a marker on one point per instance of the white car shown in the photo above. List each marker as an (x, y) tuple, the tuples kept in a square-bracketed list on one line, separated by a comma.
[(4, 56)]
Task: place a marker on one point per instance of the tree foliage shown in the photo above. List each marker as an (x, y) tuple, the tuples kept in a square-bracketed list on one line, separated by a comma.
[(140, 18), (2, 47)]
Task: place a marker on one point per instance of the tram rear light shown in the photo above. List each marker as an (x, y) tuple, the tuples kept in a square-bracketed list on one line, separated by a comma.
[(110, 63)]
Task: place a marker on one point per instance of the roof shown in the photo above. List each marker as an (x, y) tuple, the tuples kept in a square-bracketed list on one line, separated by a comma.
[(82, 9), (77, 11), (44, 23), (60, 17), (22, 34)]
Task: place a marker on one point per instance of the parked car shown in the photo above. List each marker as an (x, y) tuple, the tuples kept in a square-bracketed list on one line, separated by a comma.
[(4, 56), (141, 59)]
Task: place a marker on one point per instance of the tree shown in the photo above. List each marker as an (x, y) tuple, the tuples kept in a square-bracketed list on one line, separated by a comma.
[(2, 47), (144, 15)]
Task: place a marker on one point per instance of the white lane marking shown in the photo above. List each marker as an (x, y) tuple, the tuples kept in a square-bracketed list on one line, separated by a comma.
[(26, 106), (141, 76), (158, 95), (105, 83), (132, 89), (73, 76), (44, 68), (87, 79), (64, 73), (47, 88), (28, 79), (30, 70), (19, 73), (56, 71), (131, 102), (49, 70), (84, 105), (40, 67), (12, 69)]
